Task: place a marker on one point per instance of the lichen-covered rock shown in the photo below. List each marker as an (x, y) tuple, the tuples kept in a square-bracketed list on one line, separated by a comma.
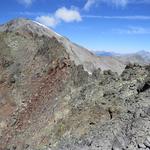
[(48, 102)]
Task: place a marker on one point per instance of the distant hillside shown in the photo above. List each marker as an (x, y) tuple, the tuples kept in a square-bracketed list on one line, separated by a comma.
[(104, 53), (141, 57)]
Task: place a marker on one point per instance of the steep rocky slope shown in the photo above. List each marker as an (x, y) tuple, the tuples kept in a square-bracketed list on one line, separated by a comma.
[(49, 102), (80, 55)]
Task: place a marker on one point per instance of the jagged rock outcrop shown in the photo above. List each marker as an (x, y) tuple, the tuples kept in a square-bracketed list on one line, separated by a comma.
[(49, 102)]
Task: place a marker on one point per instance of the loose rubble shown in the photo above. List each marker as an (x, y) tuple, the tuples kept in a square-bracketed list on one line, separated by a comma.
[(48, 102)]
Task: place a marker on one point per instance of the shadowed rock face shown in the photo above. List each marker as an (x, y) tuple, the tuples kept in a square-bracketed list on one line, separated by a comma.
[(49, 102)]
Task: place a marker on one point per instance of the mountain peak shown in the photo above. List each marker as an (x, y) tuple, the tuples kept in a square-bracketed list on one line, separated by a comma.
[(18, 20), (28, 25), (81, 56), (143, 52), (52, 96)]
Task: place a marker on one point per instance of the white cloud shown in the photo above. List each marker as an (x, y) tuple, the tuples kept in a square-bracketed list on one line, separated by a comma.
[(132, 30), (49, 21), (89, 4), (61, 14), (26, 2), (68, 15), (118, 17), (116, 3)]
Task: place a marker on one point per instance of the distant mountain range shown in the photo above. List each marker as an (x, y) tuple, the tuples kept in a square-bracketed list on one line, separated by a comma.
[(105, 53), (141, 57)]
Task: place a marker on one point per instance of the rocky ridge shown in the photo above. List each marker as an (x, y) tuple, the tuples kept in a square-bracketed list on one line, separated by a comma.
[(76, 53), (49, 102)]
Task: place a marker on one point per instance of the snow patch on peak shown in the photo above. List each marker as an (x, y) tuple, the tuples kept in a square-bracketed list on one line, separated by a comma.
[(46, 27), (41, 24)]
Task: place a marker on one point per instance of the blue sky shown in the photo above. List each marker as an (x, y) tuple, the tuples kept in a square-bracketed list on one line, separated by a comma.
[(112, 25)]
